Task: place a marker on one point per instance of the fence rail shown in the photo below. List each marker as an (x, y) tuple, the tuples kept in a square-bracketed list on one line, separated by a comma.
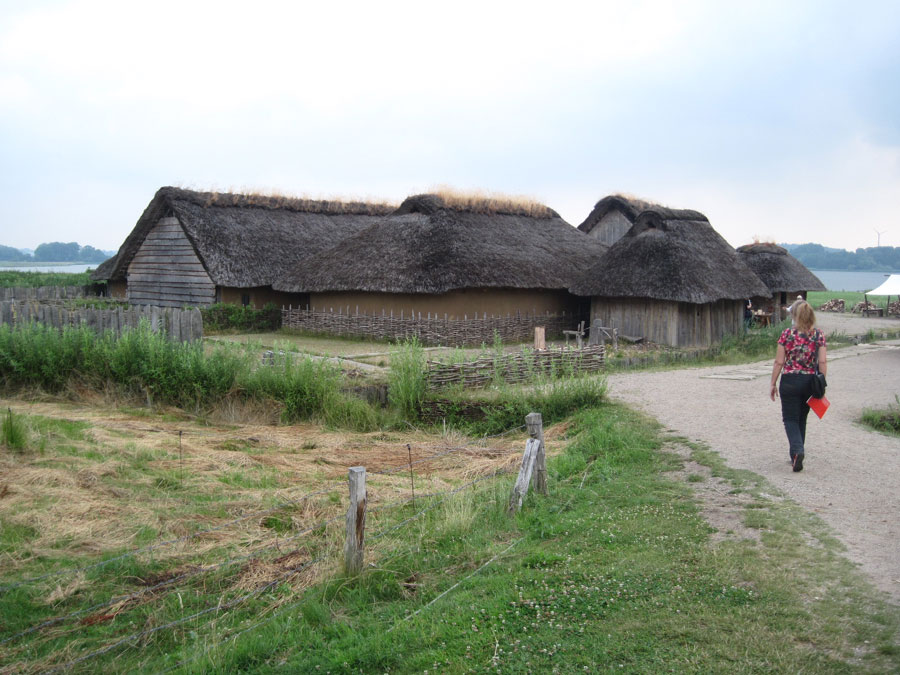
[(44, 292), (428, 328), (185, 325), (515, 367)]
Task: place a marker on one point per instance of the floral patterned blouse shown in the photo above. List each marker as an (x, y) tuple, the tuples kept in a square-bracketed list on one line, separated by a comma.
[(800, 350)]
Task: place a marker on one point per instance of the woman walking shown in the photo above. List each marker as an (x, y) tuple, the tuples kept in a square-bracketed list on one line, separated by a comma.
[(800, 349)]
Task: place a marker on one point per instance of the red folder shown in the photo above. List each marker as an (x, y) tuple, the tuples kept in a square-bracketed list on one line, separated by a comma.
[(818, 405)]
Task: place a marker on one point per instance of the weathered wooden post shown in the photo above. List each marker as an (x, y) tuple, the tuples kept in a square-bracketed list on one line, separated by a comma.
[(520, 489), (535, 425), (540, 342), (356, 521)]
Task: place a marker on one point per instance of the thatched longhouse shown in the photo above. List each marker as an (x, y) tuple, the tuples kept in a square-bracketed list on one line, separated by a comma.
[(784, 275), (197, 248), (672, 279), (443, 255), (612, 217)]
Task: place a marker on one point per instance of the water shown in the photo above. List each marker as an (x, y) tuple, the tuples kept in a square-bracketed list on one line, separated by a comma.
[(50, 268), (840, 280)]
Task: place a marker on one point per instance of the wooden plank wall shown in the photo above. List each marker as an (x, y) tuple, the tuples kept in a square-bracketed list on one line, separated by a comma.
[(180, 325), (679, 324), (167, 272)]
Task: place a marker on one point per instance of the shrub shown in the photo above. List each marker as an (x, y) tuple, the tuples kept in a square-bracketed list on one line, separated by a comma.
[(224, 316)]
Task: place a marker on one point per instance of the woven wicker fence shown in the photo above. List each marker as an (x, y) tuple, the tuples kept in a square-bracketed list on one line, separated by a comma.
[(184, 325), (516, 367), (429, 329)]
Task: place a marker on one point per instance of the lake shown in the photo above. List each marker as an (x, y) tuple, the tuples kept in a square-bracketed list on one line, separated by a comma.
[(841, 280), (49, 268)]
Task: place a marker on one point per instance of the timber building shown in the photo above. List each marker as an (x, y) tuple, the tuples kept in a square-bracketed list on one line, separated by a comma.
[(442, 256), (198, 248), (784, 275), (671, 279)]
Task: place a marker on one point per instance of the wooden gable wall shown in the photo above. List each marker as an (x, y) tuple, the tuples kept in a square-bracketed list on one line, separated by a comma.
[(166, 270)]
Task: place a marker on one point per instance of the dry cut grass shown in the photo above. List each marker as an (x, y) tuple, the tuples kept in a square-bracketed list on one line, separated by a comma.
[(127, 480), (273, 199), (479, 201)]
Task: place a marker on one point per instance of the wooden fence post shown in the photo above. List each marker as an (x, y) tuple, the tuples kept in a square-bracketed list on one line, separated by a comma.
[(520, 489), (540, 342), (356, 521), (535, 425)]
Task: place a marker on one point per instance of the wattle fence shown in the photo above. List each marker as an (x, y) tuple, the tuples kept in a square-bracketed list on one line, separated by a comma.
[(185, 325), (516, 367), (430, 329)]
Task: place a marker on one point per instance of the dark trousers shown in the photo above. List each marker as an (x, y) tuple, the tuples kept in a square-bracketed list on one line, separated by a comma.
[(794, 391)]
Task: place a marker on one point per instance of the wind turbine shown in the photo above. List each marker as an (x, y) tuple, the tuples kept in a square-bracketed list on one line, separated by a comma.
[(879, 235)]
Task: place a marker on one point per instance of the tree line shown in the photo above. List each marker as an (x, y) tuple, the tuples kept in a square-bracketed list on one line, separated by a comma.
[(55, 251), (875, 258)]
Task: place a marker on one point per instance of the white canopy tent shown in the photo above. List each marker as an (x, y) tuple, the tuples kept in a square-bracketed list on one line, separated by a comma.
[(891, 286)]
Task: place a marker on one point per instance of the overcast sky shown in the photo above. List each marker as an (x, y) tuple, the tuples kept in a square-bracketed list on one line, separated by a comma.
[(779, 120)]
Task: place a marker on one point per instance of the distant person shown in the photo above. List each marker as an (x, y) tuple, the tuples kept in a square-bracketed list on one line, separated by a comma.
[(799, 348), (748, 314)]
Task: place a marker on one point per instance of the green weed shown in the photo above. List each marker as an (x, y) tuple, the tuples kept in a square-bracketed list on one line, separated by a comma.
[(14, 432), (406, 378)]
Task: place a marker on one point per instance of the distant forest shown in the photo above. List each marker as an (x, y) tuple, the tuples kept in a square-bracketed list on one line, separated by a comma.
[(818, 257), (56, 251)]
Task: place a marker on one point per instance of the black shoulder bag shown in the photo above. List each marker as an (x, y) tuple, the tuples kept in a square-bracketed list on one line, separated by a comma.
[(817, 387)]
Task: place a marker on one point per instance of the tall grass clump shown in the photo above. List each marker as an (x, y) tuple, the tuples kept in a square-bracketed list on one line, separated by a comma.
[(754, 342), (149, 365), (13, 432), (886, 421), (406, 379)]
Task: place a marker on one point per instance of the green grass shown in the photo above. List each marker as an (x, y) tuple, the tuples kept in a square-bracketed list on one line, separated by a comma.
[(850, 298), (14, 278), (149, 366), (613, 571), (886, 420)]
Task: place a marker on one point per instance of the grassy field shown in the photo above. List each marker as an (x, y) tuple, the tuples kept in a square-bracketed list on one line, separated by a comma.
[(615, 570), (850, 298), (14, 278)]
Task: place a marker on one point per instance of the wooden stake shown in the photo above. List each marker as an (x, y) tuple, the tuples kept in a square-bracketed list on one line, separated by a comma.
[(535, 425), (356, 521)]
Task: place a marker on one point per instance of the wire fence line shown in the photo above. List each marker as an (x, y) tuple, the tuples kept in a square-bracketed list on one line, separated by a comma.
[(172, 583), (256, 514), (221, 607)]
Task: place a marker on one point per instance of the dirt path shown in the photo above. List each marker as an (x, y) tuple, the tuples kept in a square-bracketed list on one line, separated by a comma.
[(850, 477)]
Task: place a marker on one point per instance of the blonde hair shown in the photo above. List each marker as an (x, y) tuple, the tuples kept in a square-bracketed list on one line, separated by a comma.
[(804, 315)]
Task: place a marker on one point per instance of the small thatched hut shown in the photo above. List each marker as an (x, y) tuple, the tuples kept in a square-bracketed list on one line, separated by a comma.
[(612, 217), (454, 256), (672, 279), (196, 248), (784, 275)]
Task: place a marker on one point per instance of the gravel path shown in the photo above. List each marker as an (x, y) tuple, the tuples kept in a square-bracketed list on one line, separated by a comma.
[(850, 476)]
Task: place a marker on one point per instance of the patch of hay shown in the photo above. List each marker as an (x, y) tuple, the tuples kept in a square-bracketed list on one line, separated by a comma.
[(480, 201)]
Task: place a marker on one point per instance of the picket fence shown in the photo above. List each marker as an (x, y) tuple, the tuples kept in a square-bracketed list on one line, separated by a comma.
[(184, 325), (515, 367), (430, 329)]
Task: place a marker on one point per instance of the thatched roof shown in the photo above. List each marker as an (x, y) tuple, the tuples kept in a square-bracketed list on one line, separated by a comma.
[(778, 269), (247, 240), (630, 207), (672, 255), (431, 246), (105, 269)]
